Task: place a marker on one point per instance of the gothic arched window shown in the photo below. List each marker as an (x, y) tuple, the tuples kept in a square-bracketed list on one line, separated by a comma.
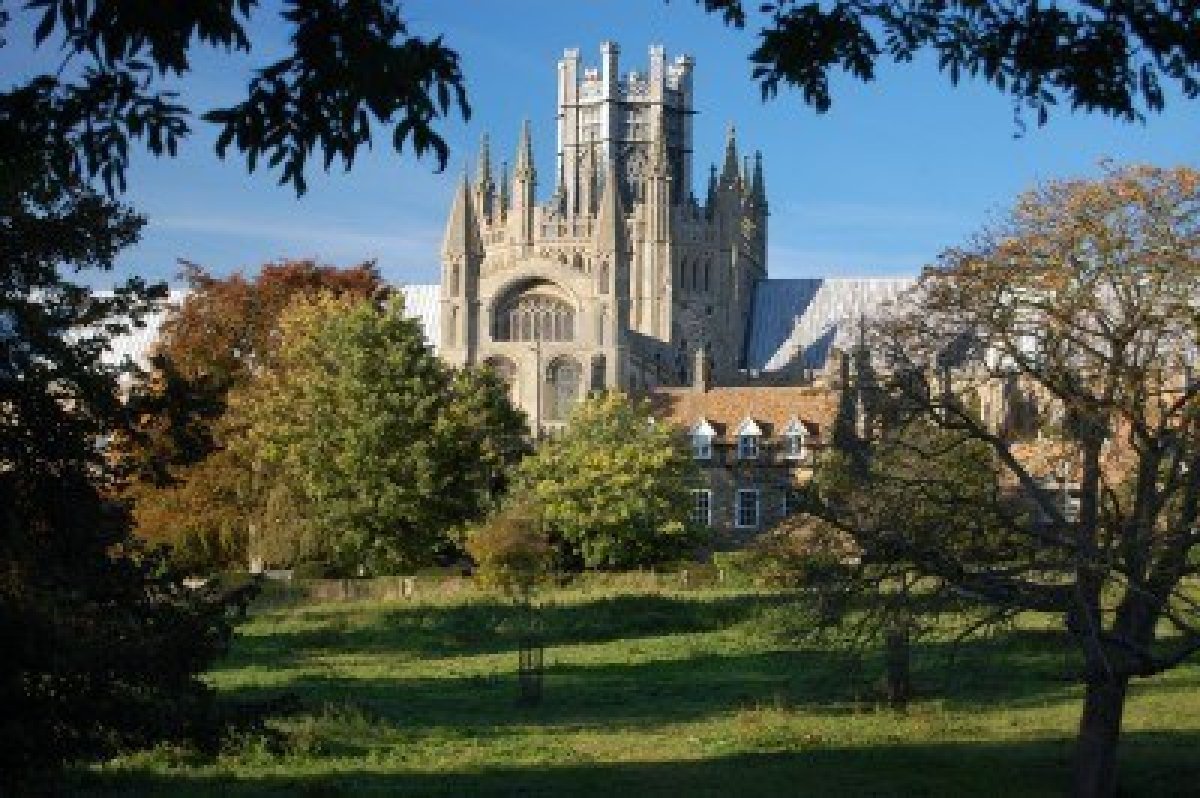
[(534, 314), (562, 388)]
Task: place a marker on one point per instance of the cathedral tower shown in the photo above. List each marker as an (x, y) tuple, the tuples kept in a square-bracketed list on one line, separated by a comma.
[(621, 277)]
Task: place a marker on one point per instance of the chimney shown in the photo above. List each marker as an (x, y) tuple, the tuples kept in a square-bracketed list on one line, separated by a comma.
[(701, 371)]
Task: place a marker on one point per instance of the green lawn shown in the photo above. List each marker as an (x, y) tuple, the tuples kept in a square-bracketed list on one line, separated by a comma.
[(662, 694)]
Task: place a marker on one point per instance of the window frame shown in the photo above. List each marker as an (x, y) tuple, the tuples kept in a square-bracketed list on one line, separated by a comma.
[(697, 493), (794, 434), (751, 451), (738, 506)]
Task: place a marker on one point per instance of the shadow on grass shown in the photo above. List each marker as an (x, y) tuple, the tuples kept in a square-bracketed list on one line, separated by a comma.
[(489, 625), (1159, 764), (1012, 671)]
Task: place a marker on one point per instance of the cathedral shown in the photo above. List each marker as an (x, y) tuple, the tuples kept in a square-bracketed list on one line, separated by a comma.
[(622, 278)]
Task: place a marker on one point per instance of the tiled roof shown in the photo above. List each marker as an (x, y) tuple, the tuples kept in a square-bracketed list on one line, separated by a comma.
[(798, 322), (771, 407)]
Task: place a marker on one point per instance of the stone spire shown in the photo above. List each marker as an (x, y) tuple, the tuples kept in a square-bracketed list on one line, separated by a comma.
[(524, 165), (524, 182), (729, 172), (462, 230), (758, 188), (505, 196), (484, 178), (485, 185), (710, 200), (609, 235)]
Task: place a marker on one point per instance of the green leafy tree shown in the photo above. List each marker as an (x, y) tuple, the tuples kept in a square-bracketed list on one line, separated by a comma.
[(615, 486), (349, 68), (905, 487), (389, 449)]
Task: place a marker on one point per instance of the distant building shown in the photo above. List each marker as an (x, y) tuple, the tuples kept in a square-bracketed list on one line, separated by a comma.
[(622, 278)]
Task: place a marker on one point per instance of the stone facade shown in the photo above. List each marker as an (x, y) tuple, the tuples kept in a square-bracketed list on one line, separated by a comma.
[(622, 279)]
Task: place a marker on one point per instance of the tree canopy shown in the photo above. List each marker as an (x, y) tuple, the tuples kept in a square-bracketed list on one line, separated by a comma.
[(81, 602), (350, 68), (386, 448), (1083, 303), (1116, 58), (615, 486)]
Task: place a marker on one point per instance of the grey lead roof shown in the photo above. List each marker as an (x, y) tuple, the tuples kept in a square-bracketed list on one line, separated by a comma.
[(797, 322), (791, 321)]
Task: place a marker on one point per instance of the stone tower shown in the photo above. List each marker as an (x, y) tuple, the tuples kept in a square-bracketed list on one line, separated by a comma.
[(621, 276)]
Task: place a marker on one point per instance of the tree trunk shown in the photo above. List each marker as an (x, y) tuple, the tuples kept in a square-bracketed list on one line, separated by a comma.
[(1096, 745), (898, 674)]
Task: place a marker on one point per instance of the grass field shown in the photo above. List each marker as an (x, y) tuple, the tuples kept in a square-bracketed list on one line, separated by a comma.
[(651, 694)]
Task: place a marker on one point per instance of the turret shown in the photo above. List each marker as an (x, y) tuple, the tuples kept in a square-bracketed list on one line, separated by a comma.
[(729, 171), (485, 186), (505, 195), (462, 254), (611, 273), (758, 188), (524, 184)]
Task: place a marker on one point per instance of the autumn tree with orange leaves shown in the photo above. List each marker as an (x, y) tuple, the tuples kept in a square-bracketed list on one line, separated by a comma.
[(188, 487), (1087, 300)]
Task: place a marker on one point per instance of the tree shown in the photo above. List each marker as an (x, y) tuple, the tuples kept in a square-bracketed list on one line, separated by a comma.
[(1084, 301), (510, 549), (352, 66), (81, 603), (389, 449), (615, 486), (1115, 58), (907, 486), (189, 488)]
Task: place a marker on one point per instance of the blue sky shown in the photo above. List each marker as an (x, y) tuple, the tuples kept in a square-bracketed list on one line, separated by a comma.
[(897, 170)]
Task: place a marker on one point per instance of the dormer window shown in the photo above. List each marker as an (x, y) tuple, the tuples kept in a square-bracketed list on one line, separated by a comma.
[(748, 436), (795, 440), (702, 437)]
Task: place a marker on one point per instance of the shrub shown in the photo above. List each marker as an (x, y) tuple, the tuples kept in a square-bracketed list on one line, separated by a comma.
[(800, 552), (313, 569), (510, 550)]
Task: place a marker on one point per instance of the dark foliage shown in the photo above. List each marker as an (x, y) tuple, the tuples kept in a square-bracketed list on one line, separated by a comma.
[(102, 642), (1115, 58), (352, 66)]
